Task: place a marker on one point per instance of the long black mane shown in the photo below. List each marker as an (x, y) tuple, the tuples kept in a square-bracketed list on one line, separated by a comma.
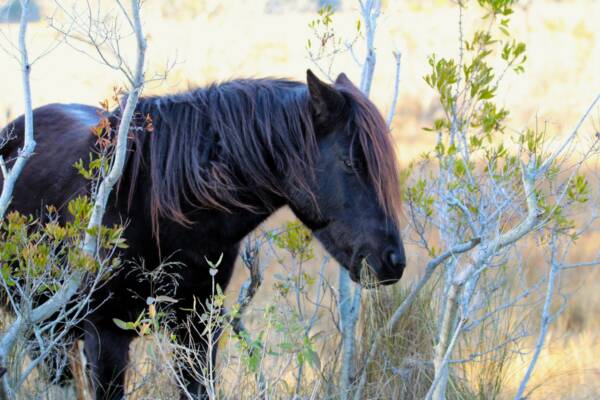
[(207, 147)]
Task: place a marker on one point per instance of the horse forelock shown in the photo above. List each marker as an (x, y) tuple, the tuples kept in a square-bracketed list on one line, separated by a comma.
[(372, 132)]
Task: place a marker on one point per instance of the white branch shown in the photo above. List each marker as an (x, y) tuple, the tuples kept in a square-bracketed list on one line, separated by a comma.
[(392, 112), (11, 177), (569, 138), (120, 155), (435, 390), (545, 320), (349, 306), (370, 12)]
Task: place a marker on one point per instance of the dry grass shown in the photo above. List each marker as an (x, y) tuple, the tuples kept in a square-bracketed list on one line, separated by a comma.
[(219, 42)]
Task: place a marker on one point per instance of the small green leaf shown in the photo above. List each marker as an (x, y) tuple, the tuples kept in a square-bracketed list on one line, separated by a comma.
[(313, 359), (126, 326)]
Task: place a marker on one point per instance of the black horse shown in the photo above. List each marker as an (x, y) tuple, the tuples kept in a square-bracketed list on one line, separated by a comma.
[(218, 161)]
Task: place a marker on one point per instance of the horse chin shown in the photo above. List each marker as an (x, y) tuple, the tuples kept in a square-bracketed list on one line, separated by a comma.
[(365, 275)]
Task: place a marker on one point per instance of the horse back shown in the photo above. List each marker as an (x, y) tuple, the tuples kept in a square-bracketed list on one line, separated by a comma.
[(63, 136)]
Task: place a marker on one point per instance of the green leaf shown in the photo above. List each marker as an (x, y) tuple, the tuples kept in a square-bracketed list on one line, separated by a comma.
[(313, 359), (126, 326)]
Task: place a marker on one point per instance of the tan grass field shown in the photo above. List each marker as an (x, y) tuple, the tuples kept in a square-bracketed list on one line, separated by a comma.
[(216, 41)]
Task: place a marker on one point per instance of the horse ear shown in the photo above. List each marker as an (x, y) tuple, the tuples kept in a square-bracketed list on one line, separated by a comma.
[(343, 80), (325, 100)]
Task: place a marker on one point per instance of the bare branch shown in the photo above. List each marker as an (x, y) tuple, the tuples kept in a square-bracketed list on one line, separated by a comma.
[(10, 179), (392, 112), (545, 320), (116, 170), (548, 163)]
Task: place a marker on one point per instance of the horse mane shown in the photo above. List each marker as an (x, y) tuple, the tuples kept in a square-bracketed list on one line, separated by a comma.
[(211, 147)]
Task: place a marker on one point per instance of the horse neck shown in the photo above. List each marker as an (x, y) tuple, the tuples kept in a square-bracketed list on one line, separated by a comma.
[(211, 230)]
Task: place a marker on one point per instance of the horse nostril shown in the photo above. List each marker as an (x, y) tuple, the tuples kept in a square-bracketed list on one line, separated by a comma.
[(395, 259)]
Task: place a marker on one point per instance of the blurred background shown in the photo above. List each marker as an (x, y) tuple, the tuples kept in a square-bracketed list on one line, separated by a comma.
[(211, 40), (199, 42)]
